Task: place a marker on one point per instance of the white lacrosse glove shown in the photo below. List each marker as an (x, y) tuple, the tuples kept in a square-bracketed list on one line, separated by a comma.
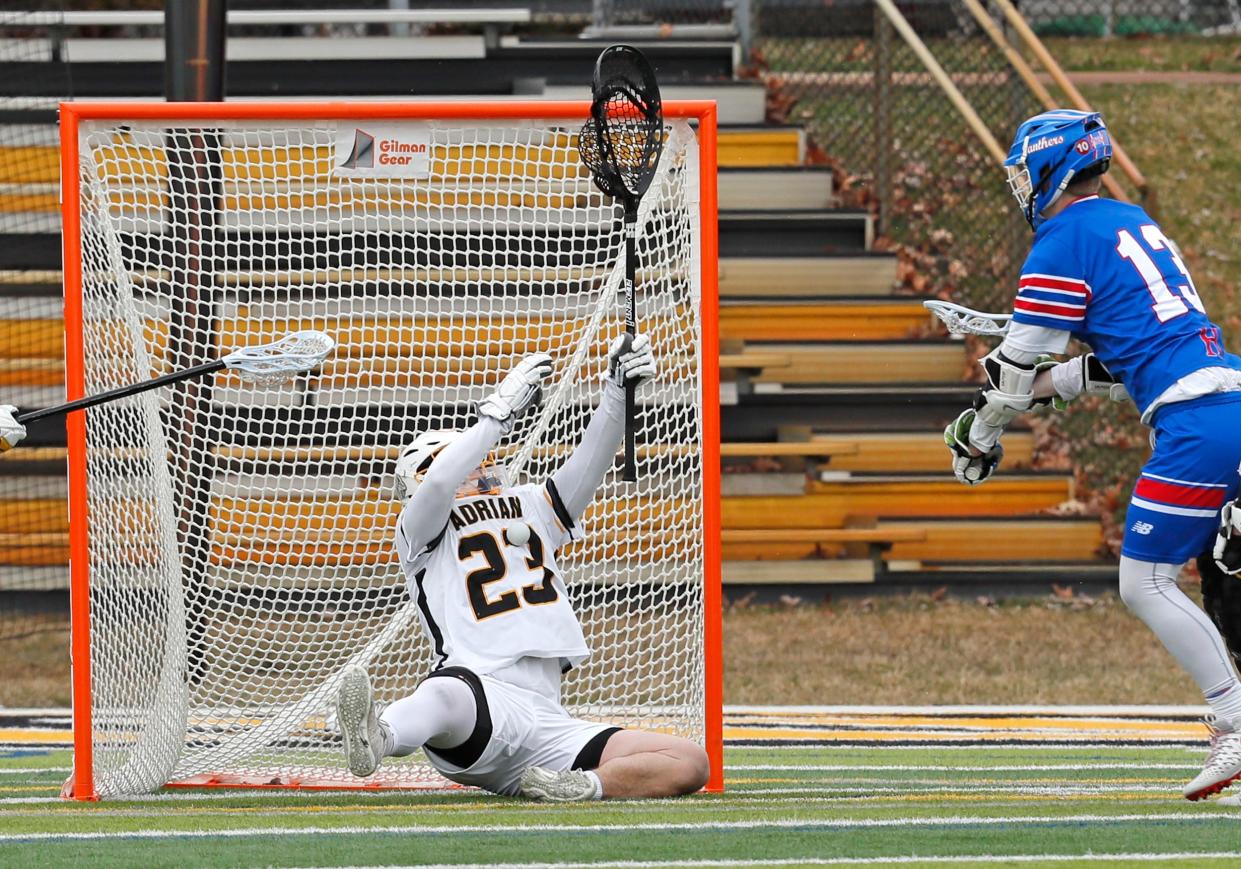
[(519, 390), (1227, 551), (12, 432), (1083, 374), (970, 469), (630, 361)]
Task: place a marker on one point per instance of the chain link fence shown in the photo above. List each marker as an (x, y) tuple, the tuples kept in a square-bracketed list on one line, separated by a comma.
[(874, 113), (900, 149), (33, 541)]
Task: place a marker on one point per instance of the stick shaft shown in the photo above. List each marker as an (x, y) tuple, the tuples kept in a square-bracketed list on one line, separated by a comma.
[(122, 391), (631, 328)]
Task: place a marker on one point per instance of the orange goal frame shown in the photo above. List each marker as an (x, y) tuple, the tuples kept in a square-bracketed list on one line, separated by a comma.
[(80, 784)]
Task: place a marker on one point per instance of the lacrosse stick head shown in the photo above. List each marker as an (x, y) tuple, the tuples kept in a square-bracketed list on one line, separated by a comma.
[(624, 137), (961, 320), (280, 360)]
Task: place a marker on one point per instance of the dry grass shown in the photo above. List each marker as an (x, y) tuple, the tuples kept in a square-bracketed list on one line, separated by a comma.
[(34, 670), (914, 650), (1155, 54), (906, 650)]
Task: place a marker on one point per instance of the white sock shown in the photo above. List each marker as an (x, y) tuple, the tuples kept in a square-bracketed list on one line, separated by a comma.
[(598, 783), (1151, 592), (1225, 702), (440, 713)]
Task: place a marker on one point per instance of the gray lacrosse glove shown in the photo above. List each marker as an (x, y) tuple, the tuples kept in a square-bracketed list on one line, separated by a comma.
[(970, 469), (1227, 551), (1080, 375), (630, 361), (519, 390)]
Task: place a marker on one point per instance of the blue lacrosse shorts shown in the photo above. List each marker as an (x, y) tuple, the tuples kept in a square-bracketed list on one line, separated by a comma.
[(1174, 513)]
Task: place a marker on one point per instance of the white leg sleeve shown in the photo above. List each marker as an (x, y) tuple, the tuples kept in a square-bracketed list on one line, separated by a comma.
[(1151, 592), (441, 713)]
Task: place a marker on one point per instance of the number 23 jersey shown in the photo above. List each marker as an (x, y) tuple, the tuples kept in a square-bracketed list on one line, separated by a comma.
[(1104, 271), (483, 602)]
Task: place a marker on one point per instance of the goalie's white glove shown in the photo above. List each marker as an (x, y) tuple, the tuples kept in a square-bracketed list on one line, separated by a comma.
[(969, 468), (12, 432), (1227, 551), (519, 390), (1080, 375), (630, 361)]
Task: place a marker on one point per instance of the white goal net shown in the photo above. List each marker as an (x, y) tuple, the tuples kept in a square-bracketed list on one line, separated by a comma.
[(239, 535)]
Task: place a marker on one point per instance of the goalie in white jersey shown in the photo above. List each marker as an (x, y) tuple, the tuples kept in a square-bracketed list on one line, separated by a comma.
[(480, 561)]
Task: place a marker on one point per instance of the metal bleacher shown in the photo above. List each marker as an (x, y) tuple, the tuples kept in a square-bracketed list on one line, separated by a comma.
[(832, 402)]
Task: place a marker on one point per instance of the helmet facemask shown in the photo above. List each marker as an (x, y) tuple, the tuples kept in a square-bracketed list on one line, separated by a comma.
[(487, 479), (1021, 185)]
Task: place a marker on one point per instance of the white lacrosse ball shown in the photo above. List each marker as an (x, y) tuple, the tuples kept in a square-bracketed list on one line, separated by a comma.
[(517, 534)]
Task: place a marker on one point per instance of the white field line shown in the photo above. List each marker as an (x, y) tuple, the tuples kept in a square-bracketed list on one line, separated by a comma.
[(1041, 745), (1009, 711), (933, 790), (1045, 767), (838, 861), (490, 829), (1153, 710), (31, 770), (738, 791), (737, 801)]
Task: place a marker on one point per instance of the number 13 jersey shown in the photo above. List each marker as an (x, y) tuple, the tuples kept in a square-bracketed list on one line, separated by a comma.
[(1104, 271), (483, 602)]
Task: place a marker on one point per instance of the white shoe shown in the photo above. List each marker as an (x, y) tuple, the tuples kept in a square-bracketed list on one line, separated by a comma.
[(570, 786), (1223, 766), (359, 725)]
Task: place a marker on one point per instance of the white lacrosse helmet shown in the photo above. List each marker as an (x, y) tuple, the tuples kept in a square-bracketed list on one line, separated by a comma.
[(416, 458)]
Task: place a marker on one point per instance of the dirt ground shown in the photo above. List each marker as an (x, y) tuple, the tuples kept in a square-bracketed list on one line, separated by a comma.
[(905, 650), (918, 650)]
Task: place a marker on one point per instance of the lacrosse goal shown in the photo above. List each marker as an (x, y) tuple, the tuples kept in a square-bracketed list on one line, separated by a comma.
[(230, 541)]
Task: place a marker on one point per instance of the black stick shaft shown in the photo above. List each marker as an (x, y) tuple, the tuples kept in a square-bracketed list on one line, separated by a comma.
[(631, 328), (122, 391)]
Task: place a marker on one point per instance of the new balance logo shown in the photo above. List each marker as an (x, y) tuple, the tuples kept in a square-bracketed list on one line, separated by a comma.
[(1142, 528), (363, 154)]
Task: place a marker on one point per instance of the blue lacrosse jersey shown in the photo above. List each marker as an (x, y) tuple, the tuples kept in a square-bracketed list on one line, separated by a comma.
[(1104, 271)]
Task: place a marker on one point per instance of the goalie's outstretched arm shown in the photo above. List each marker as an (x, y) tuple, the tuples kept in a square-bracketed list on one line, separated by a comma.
[(583, 471), (426, 514)]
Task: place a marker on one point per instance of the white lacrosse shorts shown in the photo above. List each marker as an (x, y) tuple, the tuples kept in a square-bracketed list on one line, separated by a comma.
[(515, 729)]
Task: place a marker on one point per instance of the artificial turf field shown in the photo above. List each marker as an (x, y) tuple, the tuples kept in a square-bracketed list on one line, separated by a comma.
[(815, 788)]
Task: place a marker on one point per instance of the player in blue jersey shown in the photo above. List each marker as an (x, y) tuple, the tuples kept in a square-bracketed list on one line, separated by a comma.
[(1104, 273)]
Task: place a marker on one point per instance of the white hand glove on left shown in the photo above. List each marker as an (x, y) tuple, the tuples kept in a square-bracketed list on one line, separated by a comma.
[(12, 432), (630, 360), (519, 389)]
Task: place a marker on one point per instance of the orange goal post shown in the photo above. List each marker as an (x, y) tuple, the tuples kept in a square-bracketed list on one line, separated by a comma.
[(230, 541)]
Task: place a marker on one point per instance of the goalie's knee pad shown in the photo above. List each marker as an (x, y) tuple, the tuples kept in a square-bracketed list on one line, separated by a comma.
[(1009, 391)]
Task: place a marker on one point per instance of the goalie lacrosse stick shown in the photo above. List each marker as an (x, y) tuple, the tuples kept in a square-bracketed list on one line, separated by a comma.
[(266, 363), (961, 320), (620, 145)]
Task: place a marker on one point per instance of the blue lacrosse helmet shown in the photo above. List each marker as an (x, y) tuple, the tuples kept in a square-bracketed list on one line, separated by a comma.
[(1051, 150)]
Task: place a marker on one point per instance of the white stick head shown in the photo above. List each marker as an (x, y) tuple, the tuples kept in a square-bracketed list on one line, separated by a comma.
[(280, 360), (961, 320)]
